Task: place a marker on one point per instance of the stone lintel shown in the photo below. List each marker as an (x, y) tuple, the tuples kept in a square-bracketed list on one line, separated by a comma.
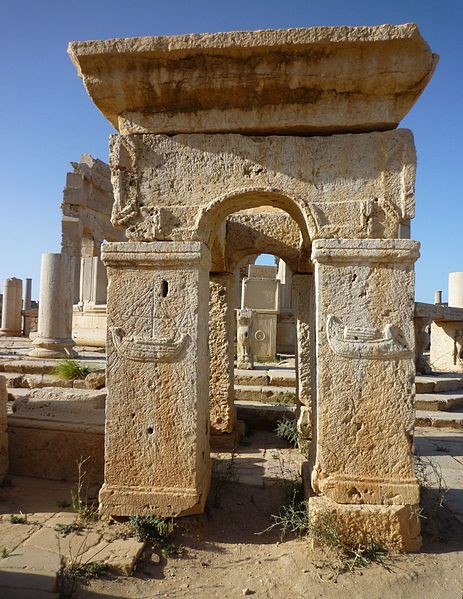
[(325, 251), (165, 253), (302, 81), (437, 312), (394, 527)]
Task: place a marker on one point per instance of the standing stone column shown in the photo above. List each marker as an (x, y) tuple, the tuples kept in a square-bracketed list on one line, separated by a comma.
[(54, 335), (157, 412), (27, 306), (305, 349), (11, 308), (456, 289), (3, 429), (364, 465), (221, 386)]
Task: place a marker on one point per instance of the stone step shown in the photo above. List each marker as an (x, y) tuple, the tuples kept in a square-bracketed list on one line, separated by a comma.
[(258, 415), (438, 383), (40, 366), (277, 377), (266, 394), (440, 419), (17, 380), (282, 378), (437, 402)]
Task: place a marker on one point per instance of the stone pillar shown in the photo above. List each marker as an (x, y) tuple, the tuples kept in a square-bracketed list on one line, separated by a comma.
[(422, 339), (221, 388), (27, 294), (305, 349), (54, 335), (244, 357), (27, 306), (438, 297), (364, 464), (157, 413), (446, 353), (11, 308), (3, 429), (93, 281), (456, 290)]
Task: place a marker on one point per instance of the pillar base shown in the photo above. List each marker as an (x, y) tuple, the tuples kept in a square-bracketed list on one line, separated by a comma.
[(220, 441), (10, 333), (162, 502), (52, 348), (394, 527), (244, 365)]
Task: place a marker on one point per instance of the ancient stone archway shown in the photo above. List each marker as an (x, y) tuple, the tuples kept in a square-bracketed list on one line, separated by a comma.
[(193, 149)]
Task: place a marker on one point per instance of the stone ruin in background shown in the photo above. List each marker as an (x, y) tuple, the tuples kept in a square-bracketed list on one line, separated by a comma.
[(210, 125)]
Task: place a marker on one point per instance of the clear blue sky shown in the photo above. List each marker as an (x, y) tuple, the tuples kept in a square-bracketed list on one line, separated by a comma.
[(47, 120)]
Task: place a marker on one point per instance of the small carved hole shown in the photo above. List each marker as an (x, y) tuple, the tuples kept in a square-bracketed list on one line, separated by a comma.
[(165, 288), (150, 430)]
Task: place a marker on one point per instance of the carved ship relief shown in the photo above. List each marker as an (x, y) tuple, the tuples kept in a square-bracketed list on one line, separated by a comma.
[(371, 344), (164, 345)]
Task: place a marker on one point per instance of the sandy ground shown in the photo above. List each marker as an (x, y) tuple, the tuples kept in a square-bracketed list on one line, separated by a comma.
[(228, 554)]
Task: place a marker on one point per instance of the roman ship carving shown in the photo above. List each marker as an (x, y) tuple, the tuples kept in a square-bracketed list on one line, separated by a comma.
[(362, 342), (164, 345)]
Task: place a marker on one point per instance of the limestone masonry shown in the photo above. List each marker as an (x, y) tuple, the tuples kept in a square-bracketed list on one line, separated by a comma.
[(197, 118)]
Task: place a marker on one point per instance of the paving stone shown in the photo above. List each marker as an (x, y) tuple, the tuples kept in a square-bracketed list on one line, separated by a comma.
[(120, 555), (71, 546), (12, 535), (30, 560), (15, 591)]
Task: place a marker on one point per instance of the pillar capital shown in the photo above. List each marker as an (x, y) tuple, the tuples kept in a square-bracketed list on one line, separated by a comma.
[(336, 251), (156, 254)]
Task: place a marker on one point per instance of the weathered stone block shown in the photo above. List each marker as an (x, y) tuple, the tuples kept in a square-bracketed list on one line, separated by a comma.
[(3, 429), (306, 81), (365, 371), (393, 527), (221, 314), (157, 412)]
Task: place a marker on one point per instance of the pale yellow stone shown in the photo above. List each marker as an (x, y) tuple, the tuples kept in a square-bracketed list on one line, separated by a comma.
[(395, 528), (299, 81)]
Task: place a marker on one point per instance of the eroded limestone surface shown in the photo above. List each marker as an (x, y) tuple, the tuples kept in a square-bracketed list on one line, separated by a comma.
[(303, 81)]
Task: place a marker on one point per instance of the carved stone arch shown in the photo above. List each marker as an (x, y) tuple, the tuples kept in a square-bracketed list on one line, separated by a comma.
[(241, 199), (210, 224)]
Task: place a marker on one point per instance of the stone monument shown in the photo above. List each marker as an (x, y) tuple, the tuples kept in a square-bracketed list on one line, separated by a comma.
[(213, 124)]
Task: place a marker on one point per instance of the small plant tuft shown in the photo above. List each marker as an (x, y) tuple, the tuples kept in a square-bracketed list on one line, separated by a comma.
[(66, 529), (172, 550), (5, 552), (287, 429), (73, 572), (86, 510), (15, 519), (149, 528), (69, 370)]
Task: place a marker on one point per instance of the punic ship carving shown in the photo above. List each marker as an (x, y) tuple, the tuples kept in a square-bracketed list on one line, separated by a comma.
[(352, 342), (166, 341)]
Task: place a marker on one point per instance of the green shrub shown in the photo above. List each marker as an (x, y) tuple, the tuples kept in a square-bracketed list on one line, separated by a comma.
[(287, 429), (68, 370), (149, 528)]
